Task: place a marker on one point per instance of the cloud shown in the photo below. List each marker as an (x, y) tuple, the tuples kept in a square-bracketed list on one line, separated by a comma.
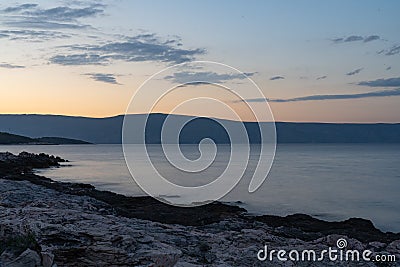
[(133, 49), (390, 82), (103, 77), (37, 24), (32, 22), (354, 72), (82, 3), (277, 78), (60, 13), (19, 8), (79, 59), (199, 78), (32, 35), (322, 77), (35, 17), (64, 13), (356, 38), (10, 66), (383, 93), (371, 38), (353, 38), (337, 40), (394, 50)]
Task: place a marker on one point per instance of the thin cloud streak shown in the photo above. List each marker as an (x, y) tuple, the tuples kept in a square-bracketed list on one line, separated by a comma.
[(205, 77), (371, 38), (79, 59), (43, 25), (104, 77), (389, 82), (32, 35), (19, 8), (356, 38), (10, 66), (394, 50), (384, 93), (354, 72), (277, 78)]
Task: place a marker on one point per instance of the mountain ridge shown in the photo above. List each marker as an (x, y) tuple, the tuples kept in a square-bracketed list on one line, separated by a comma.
[(108, 130)]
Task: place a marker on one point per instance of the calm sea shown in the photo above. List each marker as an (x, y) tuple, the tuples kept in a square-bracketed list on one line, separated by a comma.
[(328, 181)]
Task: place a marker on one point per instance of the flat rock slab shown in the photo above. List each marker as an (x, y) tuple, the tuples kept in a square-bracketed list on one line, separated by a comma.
[(82, 231)]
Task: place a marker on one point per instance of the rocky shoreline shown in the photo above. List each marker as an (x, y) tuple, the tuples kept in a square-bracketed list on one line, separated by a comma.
[(49, 223)]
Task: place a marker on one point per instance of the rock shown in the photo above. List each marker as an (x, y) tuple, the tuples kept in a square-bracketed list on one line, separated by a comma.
[(308, 228), (168, 257), (77, 225), (377, 245), (28, 258), (47, 259), (6, 256), (77, 233), (7, 156)]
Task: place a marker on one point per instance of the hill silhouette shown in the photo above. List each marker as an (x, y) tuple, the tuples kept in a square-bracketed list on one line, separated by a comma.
[(109, 130), (13, 139)]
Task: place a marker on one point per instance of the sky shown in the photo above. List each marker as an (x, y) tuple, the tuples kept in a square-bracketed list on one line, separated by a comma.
[(318, 61)]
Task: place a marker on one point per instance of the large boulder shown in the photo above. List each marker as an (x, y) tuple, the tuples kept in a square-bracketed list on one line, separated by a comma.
[(28, 258)]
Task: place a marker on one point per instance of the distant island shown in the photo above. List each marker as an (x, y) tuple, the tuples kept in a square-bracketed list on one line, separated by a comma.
[(109, 130), (13, 139)]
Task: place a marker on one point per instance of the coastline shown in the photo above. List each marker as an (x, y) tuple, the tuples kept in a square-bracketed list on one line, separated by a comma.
[(78, 225)]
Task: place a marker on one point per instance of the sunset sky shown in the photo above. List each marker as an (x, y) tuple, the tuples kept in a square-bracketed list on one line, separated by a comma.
[(336, 61)]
